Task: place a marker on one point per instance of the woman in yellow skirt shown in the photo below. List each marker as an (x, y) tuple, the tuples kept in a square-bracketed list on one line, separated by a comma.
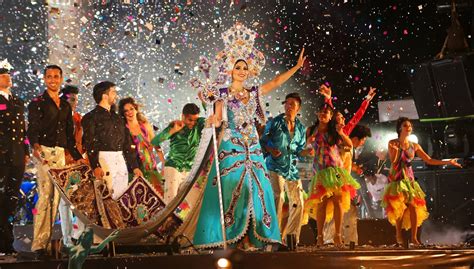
[(332, 187), (403, 198)]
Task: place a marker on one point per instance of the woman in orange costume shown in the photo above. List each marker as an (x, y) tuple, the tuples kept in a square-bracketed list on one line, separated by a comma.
[(332, 187), (403, 198)]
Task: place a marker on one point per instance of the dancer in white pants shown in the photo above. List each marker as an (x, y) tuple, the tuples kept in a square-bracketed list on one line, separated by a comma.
[(107, 141)]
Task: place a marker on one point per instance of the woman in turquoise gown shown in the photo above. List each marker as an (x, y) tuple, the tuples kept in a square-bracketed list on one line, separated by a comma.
[(248, 203)]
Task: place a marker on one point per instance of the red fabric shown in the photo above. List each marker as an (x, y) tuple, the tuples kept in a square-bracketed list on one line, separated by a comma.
[(419, 202), (392, 197), (357, 117), (320, 192), (350, 189), (390, 209)]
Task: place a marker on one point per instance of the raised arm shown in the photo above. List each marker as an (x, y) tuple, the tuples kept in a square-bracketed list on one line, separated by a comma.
[(346, 141), (166, 133), (282, 78), (393, 151), (360, 112), (327, 93), (427, 159)]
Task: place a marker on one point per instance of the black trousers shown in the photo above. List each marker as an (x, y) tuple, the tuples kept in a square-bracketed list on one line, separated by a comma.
[(10, 182)]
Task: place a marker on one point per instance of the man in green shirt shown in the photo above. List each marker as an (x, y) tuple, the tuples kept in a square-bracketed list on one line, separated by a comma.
[(184, 136)]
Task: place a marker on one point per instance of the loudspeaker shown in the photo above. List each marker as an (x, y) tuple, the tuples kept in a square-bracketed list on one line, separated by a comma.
[(449, 195), (458, 139), (424, 93), (308, 233), (451, 78), (444, 88), (428, 183), (455, 200), (375, 232)]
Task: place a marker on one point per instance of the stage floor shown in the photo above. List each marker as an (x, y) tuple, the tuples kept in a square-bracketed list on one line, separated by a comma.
[(304, 257)]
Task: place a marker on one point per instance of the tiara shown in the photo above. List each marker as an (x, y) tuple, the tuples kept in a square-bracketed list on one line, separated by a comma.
[(238, 41), (239, 45)]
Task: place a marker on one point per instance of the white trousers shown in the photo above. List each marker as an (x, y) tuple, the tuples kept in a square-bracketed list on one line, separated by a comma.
[(173, 179), (115, 172), (294, 192)]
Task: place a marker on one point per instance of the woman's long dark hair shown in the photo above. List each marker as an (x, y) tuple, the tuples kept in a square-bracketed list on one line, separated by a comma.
[(333, 136)]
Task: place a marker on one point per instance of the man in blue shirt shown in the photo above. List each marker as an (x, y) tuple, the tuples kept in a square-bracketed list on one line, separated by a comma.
[(284, 139)]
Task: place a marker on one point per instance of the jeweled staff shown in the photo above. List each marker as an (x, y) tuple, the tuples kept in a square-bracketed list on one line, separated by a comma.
[(208, 93)]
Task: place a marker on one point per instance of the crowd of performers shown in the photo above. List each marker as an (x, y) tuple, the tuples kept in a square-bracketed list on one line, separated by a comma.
[(257, 165)]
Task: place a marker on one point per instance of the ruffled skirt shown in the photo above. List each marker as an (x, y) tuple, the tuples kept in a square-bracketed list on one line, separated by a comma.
[(326, 183), (398, 195)]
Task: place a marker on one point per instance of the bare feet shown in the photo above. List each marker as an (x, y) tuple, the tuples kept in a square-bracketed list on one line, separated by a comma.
[(415, 242), (338, 243), (399, 239), (320, 241)]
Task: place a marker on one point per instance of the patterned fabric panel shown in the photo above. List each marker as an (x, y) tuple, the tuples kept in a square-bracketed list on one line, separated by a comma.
[(140, 203), (136, 206)]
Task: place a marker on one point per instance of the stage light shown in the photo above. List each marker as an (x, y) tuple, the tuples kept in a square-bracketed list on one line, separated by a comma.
[(387, 137), (393, 135), (224, 263), (413, 138)]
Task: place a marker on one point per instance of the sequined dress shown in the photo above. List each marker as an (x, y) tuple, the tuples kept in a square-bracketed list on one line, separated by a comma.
[(247, 193)]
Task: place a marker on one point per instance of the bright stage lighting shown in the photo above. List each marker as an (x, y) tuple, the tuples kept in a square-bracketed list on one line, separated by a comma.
[(382, 137), (223, 263), (387, 137), (413, 138)]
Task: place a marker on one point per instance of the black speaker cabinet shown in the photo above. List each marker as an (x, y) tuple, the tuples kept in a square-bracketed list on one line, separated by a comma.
[(424, 93), (428, 182), (455, 197), (449, 195), (444, 88), (375, 232), (451, 77), (308, 234)]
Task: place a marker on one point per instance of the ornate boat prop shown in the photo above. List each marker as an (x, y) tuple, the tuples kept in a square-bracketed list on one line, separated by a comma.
[(140, 211)]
